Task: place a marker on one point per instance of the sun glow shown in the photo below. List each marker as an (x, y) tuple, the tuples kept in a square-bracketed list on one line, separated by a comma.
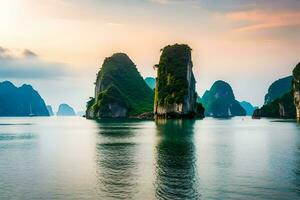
[(9, 10)]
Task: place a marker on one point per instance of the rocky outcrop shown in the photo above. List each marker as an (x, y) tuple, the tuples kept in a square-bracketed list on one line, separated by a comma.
[(21, 101), (282, 107), (220, 101), (65, 110), (120, 90), (175, 94), (285, 106), (278, 89), (296, 89)]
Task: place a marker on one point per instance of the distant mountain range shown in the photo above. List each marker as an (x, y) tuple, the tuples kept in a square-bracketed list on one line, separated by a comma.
[(21, 101)]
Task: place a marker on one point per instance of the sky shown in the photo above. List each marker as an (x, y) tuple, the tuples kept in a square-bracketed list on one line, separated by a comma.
[(58, 46)]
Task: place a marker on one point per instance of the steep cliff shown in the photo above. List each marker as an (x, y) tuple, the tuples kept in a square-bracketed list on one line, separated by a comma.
[(65, 110), (175, 94), (278, 89), (220, 101), (21, 101), (285, 106), (120, 90), (282, 107), (296, 89)]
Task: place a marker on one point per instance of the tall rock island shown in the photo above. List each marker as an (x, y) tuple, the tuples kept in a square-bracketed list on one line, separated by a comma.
[(120, 90), (278, 89), (65, 110), (21, 101), (175, 95), (296, 89), (220, 101), (286, 105)]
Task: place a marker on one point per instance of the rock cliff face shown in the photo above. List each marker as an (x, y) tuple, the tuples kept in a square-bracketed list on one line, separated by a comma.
[(21, 101), (278, 89), (175, 94), (120, 90), (220, 101), (65, 110), (296, 89), (285, 106), (282, 107)]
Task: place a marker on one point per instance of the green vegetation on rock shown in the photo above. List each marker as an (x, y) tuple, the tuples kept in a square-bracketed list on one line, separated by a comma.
[(220, 101), (296, 89), (175, 94), (120, 85), (296, 74), (21, 101), (172, 83), (285, 105), (278, 89), (282, 107)]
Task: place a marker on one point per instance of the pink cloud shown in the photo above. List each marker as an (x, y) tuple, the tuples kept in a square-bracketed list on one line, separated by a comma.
[(265, 20)]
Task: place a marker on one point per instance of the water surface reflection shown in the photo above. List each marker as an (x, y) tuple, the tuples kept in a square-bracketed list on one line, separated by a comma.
[(176, 174), (116, 161)]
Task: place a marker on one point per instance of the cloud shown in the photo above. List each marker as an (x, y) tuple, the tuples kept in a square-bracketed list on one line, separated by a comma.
[(26, 64), (114, 24), (161, 1), (4, 53), (30, 54), (238, 5), (2, 50), (242, 5), (256, 20)]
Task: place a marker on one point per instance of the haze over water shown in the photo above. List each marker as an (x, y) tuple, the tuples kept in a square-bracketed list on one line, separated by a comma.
[(75, 158)]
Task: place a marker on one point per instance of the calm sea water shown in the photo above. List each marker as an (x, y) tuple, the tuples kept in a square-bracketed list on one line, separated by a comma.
[(74, 158)]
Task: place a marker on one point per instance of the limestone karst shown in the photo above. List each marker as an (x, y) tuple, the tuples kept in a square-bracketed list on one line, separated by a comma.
[(286, 105), (278, 89), (21, 101), (120, 90), (175, 94), (296, 89), (220, 101), (65, 110)]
